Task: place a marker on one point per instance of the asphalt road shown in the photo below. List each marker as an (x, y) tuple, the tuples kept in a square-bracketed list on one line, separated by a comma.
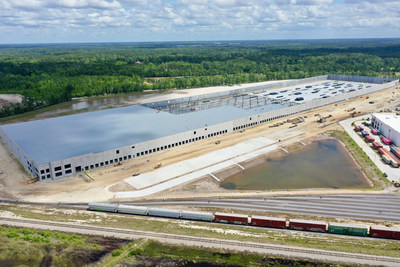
[(263, 248), (355, 206)]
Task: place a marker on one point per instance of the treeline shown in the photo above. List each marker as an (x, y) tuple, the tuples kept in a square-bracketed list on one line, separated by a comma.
[(51, 74)]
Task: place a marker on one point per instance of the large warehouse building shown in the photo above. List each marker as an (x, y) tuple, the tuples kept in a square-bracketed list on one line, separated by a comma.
[(388, 124), (58, 147)]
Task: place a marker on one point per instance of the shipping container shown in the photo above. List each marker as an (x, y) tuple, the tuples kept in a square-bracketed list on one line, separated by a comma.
[(164, 212), (377, 145), (347, 229), (136, 210), (315, 226), (363, 134), (196, 215), (98, 206), (384, 232), (394, 163), (374, 131), (386, 159), (381, 151), (369, 139), (397, 154), (268, 222), (231, 218), (393, 149), (386, 141), (357, 129), (393, 159)]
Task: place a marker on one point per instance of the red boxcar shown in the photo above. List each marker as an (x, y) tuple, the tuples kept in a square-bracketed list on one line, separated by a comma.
[(384, 232), (231, 218), (268, 222), (315, 226)]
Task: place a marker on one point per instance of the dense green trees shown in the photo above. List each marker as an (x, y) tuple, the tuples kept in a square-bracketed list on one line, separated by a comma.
[(50, 74)]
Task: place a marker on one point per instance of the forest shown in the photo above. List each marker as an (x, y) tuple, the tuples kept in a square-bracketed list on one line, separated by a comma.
[(48, 74)]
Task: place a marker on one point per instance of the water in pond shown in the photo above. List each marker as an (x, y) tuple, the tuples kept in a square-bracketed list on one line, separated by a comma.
[(323, 164)]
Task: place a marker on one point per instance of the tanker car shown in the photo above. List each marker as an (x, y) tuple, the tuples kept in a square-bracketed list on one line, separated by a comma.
[(258, 221)]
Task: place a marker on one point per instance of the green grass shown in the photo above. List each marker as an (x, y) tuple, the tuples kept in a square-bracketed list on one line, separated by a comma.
[(26, 247), (152, 252), (378, 179)]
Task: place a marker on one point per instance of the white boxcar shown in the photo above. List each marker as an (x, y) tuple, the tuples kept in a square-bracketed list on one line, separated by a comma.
[(164, 212), (137, 210), (196, 215), (103, 206)]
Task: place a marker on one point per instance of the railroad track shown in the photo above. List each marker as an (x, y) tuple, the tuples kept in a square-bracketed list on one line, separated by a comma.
[(313, 254)]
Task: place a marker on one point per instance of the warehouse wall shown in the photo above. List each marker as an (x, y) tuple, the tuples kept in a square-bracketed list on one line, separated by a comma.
[(70, 166), (362, 79), (235, 91), (26, 161), (386, 129)]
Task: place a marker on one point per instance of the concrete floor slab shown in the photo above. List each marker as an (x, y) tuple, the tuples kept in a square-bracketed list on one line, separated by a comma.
[(178, 169)]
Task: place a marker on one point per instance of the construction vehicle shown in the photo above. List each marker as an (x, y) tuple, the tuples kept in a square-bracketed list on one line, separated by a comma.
[(323, 119)]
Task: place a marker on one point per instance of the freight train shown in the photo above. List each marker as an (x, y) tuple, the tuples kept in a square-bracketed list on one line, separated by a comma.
[(244, 219)]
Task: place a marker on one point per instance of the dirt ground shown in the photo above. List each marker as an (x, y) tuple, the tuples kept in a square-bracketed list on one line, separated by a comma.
[(105, 181), (7, 99)]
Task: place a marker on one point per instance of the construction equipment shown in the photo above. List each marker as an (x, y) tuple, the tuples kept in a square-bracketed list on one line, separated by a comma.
[(157, 166), (323, 119)]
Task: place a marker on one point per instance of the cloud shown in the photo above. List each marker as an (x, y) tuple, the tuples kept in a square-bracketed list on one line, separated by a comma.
[(142, 20)]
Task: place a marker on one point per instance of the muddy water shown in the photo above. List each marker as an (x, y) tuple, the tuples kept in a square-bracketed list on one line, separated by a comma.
[(323, 164)]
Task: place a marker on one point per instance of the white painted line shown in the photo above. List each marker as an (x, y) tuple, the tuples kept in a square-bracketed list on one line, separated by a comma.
[(302, 143), (215, 177), (284, 150), (240, 166)]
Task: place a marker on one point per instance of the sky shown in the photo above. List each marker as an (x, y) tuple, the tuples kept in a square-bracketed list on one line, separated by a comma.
[(79, 21)]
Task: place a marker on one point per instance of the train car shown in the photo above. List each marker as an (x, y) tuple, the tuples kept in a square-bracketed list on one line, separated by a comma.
[(98, 206), (196, 215), (268, 222), (347, 229), (136, 210), (306, 225), (168, 213), (231, 218), (384, 232)]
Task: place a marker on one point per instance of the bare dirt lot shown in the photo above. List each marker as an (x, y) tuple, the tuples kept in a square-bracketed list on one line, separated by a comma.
[(7, 99), (103, 182)]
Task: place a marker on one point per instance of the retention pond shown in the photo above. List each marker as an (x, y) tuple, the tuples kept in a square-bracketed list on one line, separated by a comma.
[(323, 164)]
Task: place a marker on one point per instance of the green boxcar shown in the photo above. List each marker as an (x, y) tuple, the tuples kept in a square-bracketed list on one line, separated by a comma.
[(347, 229)]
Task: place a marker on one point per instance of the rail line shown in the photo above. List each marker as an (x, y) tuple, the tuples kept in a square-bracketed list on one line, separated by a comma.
[(314, 254)]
